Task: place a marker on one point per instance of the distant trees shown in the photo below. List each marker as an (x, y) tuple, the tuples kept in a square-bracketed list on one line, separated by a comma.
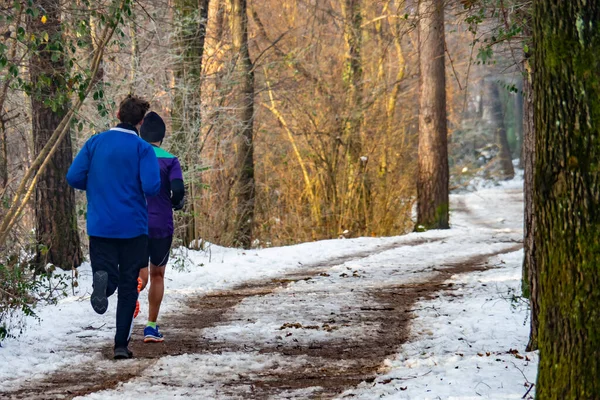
[(507, 170), (566, 55), (314, 136), (433, 175), (335, 127), (516, 40)]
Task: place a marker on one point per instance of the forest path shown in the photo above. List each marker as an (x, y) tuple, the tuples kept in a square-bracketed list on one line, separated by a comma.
[(308, 334)]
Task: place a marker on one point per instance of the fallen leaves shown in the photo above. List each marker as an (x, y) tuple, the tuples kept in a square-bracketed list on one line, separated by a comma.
[(516, 353), (296, 325)]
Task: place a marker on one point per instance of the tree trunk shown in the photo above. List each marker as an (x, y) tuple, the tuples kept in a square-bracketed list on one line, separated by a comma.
[(356, 196), (432, 180), (135, 56), (244, 190), (499, 127), (186, 117), (56, 223), (519, 123), (530, 279), (4, 114), (566, 44)]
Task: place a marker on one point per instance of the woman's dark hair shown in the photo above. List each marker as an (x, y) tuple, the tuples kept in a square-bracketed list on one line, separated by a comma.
[(132, 110)]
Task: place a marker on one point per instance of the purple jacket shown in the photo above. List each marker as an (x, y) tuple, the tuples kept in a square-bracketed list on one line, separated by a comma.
[(160, 207)]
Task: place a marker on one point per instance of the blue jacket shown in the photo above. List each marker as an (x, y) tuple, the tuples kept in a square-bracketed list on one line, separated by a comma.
[(117, 169)]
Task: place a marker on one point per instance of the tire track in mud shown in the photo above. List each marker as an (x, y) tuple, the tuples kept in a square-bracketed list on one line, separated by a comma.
[(332, 366)]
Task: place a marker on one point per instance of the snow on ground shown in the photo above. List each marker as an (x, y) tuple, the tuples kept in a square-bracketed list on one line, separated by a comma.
[(460, 346), (48, 345), (466, 347), (207, 380)]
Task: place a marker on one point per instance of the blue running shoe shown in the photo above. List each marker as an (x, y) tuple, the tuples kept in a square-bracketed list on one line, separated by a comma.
[(99, 300), (152, 335)]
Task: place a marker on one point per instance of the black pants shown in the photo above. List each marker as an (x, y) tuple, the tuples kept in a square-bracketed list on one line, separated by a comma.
[(122, 259)]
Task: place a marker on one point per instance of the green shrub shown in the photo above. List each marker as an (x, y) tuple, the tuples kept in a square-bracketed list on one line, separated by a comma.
[(21, 289)]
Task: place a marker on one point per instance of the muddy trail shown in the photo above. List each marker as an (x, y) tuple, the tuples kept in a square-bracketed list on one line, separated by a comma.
[(384, 312)]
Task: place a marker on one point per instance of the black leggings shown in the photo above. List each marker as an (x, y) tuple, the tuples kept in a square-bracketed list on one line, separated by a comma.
[(122, 259)]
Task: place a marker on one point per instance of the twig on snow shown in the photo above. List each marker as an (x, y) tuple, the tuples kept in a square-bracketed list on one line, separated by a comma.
[(528, 390), (484, 384), (521, 371)]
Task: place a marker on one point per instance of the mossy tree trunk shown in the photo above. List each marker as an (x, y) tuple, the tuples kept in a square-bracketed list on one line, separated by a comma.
[(56, 222), (244, 190), (567, 196), (433, 175)]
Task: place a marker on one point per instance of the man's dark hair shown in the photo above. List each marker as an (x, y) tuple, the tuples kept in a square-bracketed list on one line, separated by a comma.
[(132, 110)]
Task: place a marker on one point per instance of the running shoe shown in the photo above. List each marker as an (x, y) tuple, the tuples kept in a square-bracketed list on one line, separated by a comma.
[(152, 335), (122, 353), (99, 300)]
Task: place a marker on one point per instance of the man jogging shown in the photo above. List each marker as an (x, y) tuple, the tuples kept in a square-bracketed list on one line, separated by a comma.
[(160, 221), (117, 170)]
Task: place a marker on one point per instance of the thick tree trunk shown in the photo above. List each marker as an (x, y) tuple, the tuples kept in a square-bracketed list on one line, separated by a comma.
[(244, 148), (191, 21), (530, 277), (567, 196), (56, 223), (499, 127), (432, 180)]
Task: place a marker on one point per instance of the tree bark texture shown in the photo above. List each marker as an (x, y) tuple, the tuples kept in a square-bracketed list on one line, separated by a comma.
[(244, 189), (499, 127), (433, 176), (356, 199), (530, 278), (353, 77), (56, 223), (191, 20), (567, 196)]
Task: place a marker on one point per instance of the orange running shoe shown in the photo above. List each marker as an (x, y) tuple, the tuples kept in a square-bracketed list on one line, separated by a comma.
[(137, 302)]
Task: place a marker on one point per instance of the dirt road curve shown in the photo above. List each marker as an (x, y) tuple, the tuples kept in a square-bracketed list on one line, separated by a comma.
[(332, 366)]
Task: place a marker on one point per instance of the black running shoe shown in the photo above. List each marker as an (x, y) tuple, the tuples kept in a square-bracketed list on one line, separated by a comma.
[(99, 300), (122, 353)]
